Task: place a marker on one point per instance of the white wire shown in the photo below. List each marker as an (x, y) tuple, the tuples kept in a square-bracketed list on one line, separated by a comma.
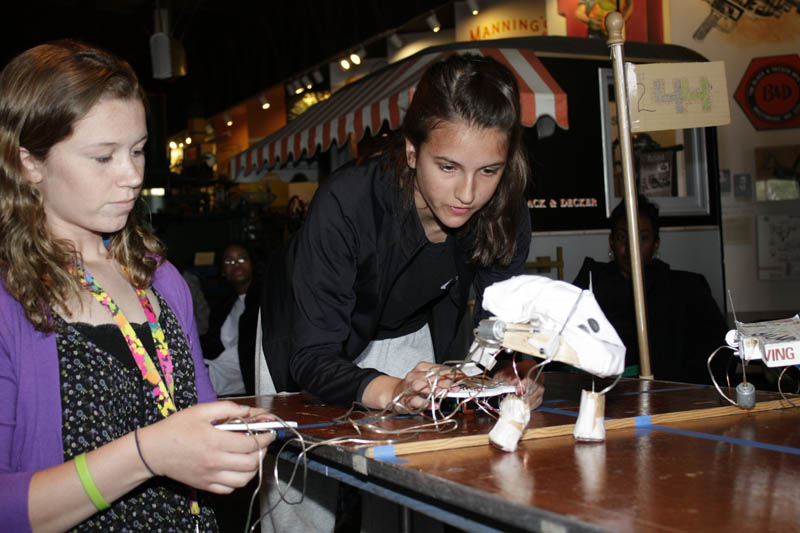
[(713, 379)]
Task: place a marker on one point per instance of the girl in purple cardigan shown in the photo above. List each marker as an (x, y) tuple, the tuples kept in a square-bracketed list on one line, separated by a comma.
[(102, 384)]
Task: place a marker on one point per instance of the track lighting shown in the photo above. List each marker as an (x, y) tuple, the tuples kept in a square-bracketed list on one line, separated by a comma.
[(263, 101), (395, 40), (433, 22)]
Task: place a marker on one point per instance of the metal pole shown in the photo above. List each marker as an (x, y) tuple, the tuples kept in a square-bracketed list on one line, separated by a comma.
[(615, 25)]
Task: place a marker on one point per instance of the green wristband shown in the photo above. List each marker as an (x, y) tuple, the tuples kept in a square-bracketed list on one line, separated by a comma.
[(88, 483)]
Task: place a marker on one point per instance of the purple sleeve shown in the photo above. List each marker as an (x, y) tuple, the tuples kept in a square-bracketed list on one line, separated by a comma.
[(13, 485), (173, 287)]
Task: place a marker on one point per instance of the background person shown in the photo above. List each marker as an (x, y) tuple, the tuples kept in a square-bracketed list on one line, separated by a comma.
[(684, 324), (229, 344), (100, 367)]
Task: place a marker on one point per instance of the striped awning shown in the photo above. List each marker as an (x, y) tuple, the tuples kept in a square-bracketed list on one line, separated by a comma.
[(384, 97)]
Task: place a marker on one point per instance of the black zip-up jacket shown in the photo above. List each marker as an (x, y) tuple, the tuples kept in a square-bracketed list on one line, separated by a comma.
[(325, 291), (684, 324)]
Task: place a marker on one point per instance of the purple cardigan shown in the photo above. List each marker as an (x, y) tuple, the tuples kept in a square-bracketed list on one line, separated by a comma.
[(30, 397)]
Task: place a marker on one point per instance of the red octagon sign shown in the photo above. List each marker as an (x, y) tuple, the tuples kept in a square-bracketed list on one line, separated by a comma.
[(769, 93)]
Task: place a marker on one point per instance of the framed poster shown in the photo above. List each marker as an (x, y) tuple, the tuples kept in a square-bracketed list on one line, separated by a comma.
[(778, 173), (655, 172)]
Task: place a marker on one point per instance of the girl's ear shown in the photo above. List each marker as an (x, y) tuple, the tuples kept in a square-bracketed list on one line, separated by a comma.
[(411, 154), (31, 167)]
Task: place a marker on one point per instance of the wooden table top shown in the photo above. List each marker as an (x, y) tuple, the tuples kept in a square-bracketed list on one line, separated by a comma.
[(738, 472)]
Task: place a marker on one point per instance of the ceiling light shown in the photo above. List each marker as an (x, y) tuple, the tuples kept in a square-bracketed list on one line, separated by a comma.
[(355, 58), (228, 120), (307, 81), (433, 22), (298, 87), (473, 6), (180, 145), (188, 140), (345, 64), (173, 145), (317, 75), (263, 101)]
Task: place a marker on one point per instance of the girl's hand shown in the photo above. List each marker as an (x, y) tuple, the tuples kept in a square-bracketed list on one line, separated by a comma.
[(426, 380), (188, 448), (523, 379)]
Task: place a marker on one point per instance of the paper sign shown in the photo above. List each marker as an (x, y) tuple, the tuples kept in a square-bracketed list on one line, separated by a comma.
[(670, 96)]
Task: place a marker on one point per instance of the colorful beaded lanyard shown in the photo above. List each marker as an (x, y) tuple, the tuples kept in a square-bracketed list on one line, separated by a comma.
[(163, 393)]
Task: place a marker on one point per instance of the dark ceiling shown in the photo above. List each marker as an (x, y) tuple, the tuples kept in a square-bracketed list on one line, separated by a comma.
[(234, 48)]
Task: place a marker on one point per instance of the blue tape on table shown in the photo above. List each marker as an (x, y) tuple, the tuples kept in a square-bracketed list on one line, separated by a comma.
[(386, 453), (667, 389), (730, 440), (557, 411), (644, 422)]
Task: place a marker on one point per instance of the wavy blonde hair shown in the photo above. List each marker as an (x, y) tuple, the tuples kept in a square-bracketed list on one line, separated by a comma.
[(43, 92)]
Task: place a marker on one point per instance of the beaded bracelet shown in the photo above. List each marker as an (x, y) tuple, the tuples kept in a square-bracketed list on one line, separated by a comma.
[(88, 483)]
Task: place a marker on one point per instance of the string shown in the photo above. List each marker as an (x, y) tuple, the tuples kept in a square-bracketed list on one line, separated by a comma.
[(364, 421)]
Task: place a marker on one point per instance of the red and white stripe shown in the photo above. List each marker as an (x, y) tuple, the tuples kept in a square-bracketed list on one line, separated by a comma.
[(384, 97)]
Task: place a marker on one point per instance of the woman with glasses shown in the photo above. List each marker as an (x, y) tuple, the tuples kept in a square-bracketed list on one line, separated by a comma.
[(229, 344)]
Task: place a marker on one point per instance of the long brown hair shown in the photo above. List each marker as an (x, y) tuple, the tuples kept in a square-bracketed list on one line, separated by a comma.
[(482, 93), (43, 92)]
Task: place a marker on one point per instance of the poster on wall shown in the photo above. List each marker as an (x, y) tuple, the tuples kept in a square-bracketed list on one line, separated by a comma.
[(778, 173), (756, 19), (587, 18), (778, 247), (769, 92)]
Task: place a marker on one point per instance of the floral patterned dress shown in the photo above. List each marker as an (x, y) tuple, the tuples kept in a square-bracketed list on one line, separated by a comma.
[(104, 397)]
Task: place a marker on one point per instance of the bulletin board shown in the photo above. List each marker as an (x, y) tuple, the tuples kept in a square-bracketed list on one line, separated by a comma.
[(778, 247)]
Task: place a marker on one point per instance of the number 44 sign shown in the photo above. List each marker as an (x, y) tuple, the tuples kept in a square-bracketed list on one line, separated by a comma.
[(668, 96), (769, 92)]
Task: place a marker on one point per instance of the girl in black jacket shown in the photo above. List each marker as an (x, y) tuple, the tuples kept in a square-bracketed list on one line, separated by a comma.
[(367, 296)]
